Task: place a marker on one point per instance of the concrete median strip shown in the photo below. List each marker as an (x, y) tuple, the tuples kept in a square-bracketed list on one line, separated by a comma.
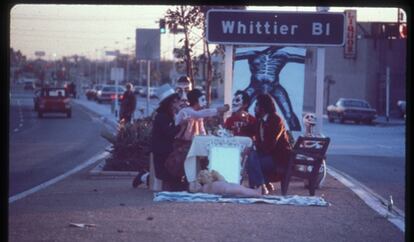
[(372, 199)]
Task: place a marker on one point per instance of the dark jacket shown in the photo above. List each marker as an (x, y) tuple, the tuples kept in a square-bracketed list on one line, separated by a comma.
[(276, 140), (163, 133), (128, 103)]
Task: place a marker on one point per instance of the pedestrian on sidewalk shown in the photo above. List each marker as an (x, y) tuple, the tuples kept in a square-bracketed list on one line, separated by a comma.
[(128, 104)]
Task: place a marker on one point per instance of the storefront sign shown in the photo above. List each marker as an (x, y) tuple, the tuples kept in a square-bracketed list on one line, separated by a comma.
[(351, 34)]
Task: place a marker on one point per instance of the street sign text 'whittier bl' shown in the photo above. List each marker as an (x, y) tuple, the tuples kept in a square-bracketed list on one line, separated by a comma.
[(275, 28)]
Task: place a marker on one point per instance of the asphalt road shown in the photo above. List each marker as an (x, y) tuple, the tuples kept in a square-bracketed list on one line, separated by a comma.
[(42, 149), (374, 155)]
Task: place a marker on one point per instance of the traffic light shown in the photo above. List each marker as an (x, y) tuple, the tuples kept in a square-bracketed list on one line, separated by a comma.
[(162, 26)]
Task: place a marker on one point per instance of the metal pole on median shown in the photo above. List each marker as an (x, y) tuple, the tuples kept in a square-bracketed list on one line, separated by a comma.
[(387, 94), (320, 72), (148, 85)]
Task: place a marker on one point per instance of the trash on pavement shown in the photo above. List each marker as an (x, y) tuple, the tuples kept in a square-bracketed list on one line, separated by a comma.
[(81, 225)]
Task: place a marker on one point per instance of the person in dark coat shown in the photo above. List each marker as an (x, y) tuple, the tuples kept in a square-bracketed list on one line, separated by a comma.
[(272, 145), (163, 133), (128, 104)]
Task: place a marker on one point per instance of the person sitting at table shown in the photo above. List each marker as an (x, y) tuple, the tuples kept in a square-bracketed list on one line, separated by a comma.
[(213, 182), (272, 146), (241, 123), (193, 116), (195, 113), (163, 133)]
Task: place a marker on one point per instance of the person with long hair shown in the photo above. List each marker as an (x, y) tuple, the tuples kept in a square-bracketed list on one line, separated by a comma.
[(272, 146), (163, 133)]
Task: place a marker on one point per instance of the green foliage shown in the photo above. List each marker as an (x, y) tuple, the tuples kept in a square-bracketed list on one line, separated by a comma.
[(130, 150)]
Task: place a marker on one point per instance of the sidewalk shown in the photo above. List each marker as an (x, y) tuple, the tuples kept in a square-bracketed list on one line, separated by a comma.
[(122, 213)]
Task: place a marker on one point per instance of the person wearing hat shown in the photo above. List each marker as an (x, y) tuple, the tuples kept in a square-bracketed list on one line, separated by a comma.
[(163, 132)]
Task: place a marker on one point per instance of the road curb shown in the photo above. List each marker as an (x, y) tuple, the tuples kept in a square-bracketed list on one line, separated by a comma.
[(98, 172), (372, 199)]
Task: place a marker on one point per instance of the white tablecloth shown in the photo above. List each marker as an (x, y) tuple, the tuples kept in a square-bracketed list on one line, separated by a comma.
[(200, 147)]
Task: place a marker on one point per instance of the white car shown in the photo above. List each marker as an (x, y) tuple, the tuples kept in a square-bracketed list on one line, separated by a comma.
[(152, 92)]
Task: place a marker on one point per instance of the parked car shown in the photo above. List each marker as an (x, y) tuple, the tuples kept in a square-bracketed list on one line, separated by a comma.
[(139, 90), (52, 100), (153, 92), (401, 108), (108, 93), (357, 110), (91, 93), (29, 85)]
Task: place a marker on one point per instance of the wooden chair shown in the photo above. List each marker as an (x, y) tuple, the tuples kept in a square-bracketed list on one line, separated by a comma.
[(308, 151)]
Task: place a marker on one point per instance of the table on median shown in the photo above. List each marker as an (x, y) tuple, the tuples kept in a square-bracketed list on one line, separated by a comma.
[(200, 147)]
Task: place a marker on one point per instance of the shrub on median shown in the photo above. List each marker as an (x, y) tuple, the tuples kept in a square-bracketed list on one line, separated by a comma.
[(130, 146)]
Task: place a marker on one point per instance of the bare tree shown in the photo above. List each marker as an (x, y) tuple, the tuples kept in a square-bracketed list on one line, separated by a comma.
[(187, 17)]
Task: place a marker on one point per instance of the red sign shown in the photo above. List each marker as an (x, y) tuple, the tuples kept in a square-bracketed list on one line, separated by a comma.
[(350, 34)]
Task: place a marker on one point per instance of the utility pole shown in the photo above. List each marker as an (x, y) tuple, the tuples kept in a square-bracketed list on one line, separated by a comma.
[(387, 94)]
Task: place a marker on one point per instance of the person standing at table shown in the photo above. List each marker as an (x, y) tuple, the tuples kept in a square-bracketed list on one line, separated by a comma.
[(163, 133), (241, 123), (272, 145), (182, 87)]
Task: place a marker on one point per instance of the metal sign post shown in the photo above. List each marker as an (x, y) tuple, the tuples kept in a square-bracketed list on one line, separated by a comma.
[(148, 48), (320, 73), (148, 85), (228, 75), (117, 74), (387, 93)]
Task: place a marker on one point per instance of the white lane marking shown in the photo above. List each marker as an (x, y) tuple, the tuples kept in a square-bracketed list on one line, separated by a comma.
[(16, 129), (371, 198), (58, 178), (20, 125)]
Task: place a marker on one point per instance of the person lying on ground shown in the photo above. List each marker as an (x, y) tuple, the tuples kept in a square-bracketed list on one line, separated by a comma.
[(213, 182)]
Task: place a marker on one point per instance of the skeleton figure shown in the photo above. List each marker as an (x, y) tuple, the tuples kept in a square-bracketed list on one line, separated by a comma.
[(309, 122), (265, 67)]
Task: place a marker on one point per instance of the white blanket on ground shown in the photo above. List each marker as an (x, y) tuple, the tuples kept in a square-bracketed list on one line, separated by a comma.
[(269, 199)]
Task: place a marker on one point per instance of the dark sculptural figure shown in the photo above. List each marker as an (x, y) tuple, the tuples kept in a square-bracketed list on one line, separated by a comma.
[(265, 67)]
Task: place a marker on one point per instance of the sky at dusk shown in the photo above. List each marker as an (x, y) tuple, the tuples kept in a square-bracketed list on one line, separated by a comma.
[(89, 30)]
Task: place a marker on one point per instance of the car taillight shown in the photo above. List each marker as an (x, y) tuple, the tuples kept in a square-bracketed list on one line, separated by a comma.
[(120, 97), (113, 97)]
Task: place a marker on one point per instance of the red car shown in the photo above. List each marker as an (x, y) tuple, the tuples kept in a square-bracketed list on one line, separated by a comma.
[(52, 100)]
